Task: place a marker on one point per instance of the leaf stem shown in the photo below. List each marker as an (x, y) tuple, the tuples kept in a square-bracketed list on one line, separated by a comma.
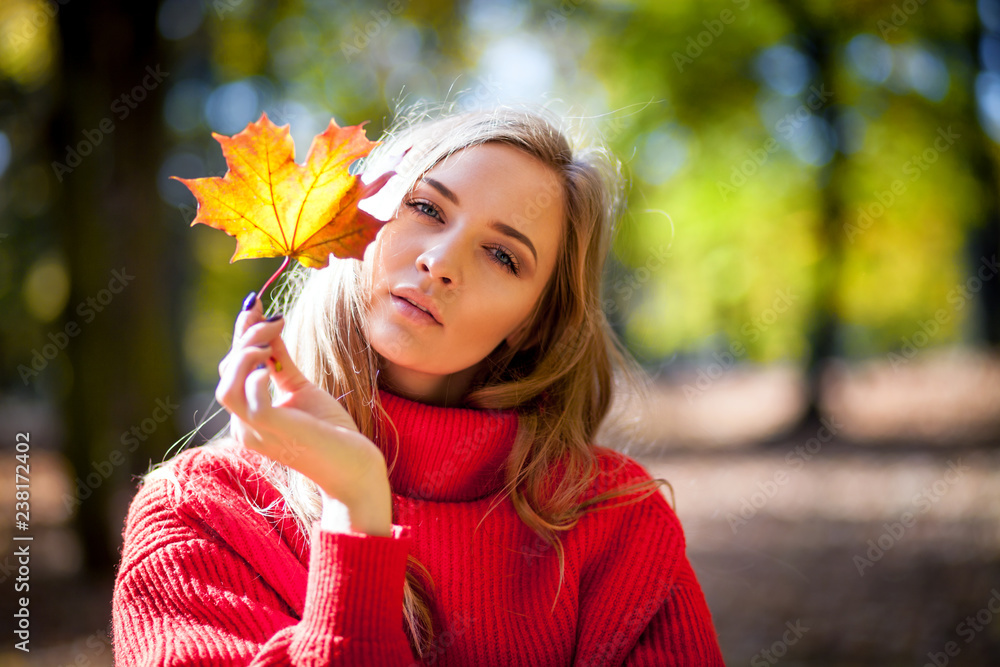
[(270, 280), (284, 265)]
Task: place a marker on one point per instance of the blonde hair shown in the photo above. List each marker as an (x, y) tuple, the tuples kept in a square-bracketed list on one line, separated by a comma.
[(560, 378)]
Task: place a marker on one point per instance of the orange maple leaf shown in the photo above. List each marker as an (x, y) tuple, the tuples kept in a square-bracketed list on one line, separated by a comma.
[(276, 207)]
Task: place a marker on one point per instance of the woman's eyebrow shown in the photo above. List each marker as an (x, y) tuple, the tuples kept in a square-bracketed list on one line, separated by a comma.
[(501, 227), (440, 187), (507, 230)]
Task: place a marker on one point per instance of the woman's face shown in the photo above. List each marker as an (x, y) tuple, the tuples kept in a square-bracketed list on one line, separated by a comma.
[(474, 243)]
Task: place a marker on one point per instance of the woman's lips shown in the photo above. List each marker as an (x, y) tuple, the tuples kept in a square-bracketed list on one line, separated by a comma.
[(411, 312)]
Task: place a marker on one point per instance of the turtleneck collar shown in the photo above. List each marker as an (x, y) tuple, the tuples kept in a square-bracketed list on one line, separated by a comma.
[(445, 454)]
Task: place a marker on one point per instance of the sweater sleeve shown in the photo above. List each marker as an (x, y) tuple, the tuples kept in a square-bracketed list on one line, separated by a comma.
[(188, 594), (681, 631)]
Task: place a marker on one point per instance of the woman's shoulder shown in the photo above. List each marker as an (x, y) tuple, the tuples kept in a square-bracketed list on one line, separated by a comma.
[(208, 492), (619, 464), (626, 515), (210, 502), (616, 471), (214, 465), (626, 493), (196, 481)]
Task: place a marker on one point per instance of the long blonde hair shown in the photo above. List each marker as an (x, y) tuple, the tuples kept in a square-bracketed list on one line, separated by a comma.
[(560, 378)]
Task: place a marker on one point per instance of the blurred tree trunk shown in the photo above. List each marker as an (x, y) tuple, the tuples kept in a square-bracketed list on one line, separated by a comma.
[(113, 80), (984, 241), (826, 322), (817, 41)]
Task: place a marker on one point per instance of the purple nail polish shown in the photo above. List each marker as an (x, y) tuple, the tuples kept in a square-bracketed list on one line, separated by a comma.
[(250, 301)]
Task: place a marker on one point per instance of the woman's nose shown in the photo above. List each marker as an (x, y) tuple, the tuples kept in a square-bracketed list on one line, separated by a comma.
[(441, 261)]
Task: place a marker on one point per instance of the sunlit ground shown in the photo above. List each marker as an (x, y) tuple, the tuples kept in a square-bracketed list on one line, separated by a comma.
[(878, 542)]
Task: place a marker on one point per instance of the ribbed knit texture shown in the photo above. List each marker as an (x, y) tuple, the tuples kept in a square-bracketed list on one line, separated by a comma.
[(206, 580)]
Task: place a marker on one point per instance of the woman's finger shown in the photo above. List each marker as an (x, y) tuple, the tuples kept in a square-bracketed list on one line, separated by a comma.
[(231, 392), (286, 375), (258, 396), (280, 428), (261, 333), (258, 335), (252, 312)]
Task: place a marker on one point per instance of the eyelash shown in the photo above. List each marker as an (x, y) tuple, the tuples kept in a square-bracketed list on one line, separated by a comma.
[(513, 267)]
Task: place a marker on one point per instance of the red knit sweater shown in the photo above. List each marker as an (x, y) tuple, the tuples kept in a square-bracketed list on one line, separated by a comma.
[(206, 580)]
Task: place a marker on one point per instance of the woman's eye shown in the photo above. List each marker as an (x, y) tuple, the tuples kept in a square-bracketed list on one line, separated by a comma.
[(425, 208), (504, 259)]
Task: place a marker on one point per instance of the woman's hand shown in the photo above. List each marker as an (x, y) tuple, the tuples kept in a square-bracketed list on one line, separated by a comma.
[(305, 428)]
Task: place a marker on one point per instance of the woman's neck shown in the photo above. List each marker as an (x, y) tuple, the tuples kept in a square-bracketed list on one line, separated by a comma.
[(441, 390)]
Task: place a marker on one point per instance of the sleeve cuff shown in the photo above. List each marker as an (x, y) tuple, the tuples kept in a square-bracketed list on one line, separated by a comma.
[(355, 586)]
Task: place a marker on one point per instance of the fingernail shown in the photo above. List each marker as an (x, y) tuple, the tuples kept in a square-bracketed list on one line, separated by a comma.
[(274, 318), (250, 301), (260, 366)]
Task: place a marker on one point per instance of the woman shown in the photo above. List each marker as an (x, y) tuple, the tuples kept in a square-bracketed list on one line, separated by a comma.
[(429, 448)]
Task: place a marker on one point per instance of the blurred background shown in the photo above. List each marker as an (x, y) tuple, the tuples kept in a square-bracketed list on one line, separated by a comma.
[(807, 269)]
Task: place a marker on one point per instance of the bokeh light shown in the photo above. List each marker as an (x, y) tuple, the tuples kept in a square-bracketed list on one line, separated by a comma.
[(46, 287), (923, 71), (178, 19), (28, 47), (870, 57), (231, 106), (785, 69), (517, 68)]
